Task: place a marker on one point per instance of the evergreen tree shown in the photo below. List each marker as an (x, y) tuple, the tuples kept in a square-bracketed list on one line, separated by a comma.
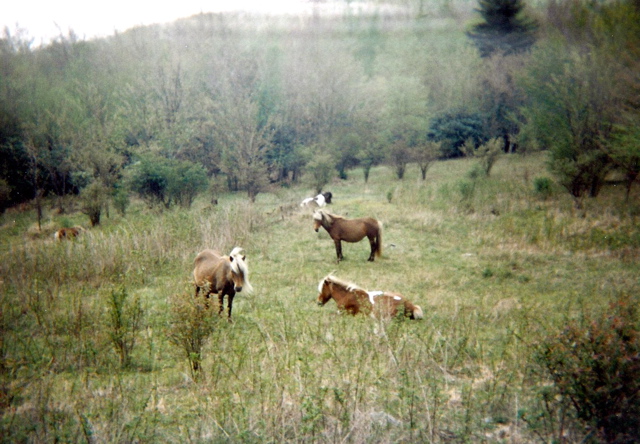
[(503, 30)]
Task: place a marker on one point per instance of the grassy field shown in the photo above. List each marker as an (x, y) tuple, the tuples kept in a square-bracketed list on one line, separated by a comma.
[(87, 326)]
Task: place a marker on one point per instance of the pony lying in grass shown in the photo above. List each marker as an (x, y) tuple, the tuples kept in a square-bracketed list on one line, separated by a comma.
[(224, 275), (350, 230), (353, 299), (320, 200), (68, 233)]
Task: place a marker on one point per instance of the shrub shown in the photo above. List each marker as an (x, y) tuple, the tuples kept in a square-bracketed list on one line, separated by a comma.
[(125, 321), (190, 327), (167, 181), (542, 187), (94, 198), (595, 363)]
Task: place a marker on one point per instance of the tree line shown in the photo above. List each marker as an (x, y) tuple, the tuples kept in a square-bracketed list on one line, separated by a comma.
[(225, 102)]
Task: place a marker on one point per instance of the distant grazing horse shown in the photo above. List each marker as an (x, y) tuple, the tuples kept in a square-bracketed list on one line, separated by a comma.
[(350, 230), (214, 273), (68, 233), (353, 299)]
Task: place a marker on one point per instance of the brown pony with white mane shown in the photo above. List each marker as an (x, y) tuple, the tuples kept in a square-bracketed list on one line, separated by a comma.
[(353, 299), (68, 233), (350, 230), (215, 273)]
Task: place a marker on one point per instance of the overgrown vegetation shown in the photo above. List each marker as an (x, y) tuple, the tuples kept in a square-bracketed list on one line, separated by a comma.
[(521, 243), (502, 275)]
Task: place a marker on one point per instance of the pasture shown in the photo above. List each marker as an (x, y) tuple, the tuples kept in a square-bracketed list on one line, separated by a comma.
[(87, 325)]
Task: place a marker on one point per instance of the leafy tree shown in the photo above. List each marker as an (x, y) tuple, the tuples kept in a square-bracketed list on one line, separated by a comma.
[(94, 199), (166, 181), (399, 154), (322, 169), (487, 153), (571, 110), (425, 155), (370, 155), (454, 129), (345, 152), (503, 30), (189, 180)]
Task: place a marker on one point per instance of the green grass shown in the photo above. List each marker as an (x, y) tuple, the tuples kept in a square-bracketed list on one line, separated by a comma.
[(495, 270)]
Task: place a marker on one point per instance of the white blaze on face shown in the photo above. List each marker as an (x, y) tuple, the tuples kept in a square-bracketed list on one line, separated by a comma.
[(373, 295)]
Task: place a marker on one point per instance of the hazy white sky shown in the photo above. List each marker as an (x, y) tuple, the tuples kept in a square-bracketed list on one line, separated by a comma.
[(44, 19)]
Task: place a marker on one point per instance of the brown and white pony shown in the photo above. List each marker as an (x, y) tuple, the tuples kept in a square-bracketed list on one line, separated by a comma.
[(350, 230), (353, 299), (68, 233), (223, 275)]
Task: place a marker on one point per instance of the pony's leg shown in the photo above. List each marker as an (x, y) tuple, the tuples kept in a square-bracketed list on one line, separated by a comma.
[(374, 245), (338, 249), (220, 302), (230, 306)]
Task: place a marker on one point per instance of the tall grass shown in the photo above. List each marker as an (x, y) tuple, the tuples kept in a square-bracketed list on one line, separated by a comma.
[(495, 272)]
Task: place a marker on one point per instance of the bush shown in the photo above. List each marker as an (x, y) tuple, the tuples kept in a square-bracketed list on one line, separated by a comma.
[(167, 181), (192, 322), (94, 198), (124, 323), (542, 187), (595, 363)]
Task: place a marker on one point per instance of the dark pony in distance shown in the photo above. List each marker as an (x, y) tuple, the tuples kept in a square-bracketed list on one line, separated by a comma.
[(350, 230), (223, 275), (68, 233), (353, 299)]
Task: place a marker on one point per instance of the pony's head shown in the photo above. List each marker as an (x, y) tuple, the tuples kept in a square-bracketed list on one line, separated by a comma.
[(320, 218), (326, 288), (239, 271)]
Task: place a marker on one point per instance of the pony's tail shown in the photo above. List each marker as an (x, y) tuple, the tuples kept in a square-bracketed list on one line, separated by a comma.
[(378, 251), (417, 312)]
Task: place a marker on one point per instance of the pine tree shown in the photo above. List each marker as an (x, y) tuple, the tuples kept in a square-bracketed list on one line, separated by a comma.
[(504, 30)]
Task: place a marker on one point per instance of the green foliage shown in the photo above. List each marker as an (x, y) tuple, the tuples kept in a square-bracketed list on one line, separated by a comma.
[(94, 198), (570, 114), (455, 129), (594, 363), (5, 195), (125, 320), (190, 326), (542, 186), (166, 181), (504, 30), (320, 170), (121, 200)]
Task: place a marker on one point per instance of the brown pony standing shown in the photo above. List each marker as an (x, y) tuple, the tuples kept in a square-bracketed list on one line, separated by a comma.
[(68, 233), (215, 273), (350, 230), (353, 299)]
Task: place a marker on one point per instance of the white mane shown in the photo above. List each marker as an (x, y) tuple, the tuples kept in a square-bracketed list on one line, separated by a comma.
[(238, 265), (321, 215), (350, 286)]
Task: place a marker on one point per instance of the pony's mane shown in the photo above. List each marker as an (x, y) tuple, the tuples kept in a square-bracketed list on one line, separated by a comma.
[(349, 286), (238, 265), (321, 214)]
